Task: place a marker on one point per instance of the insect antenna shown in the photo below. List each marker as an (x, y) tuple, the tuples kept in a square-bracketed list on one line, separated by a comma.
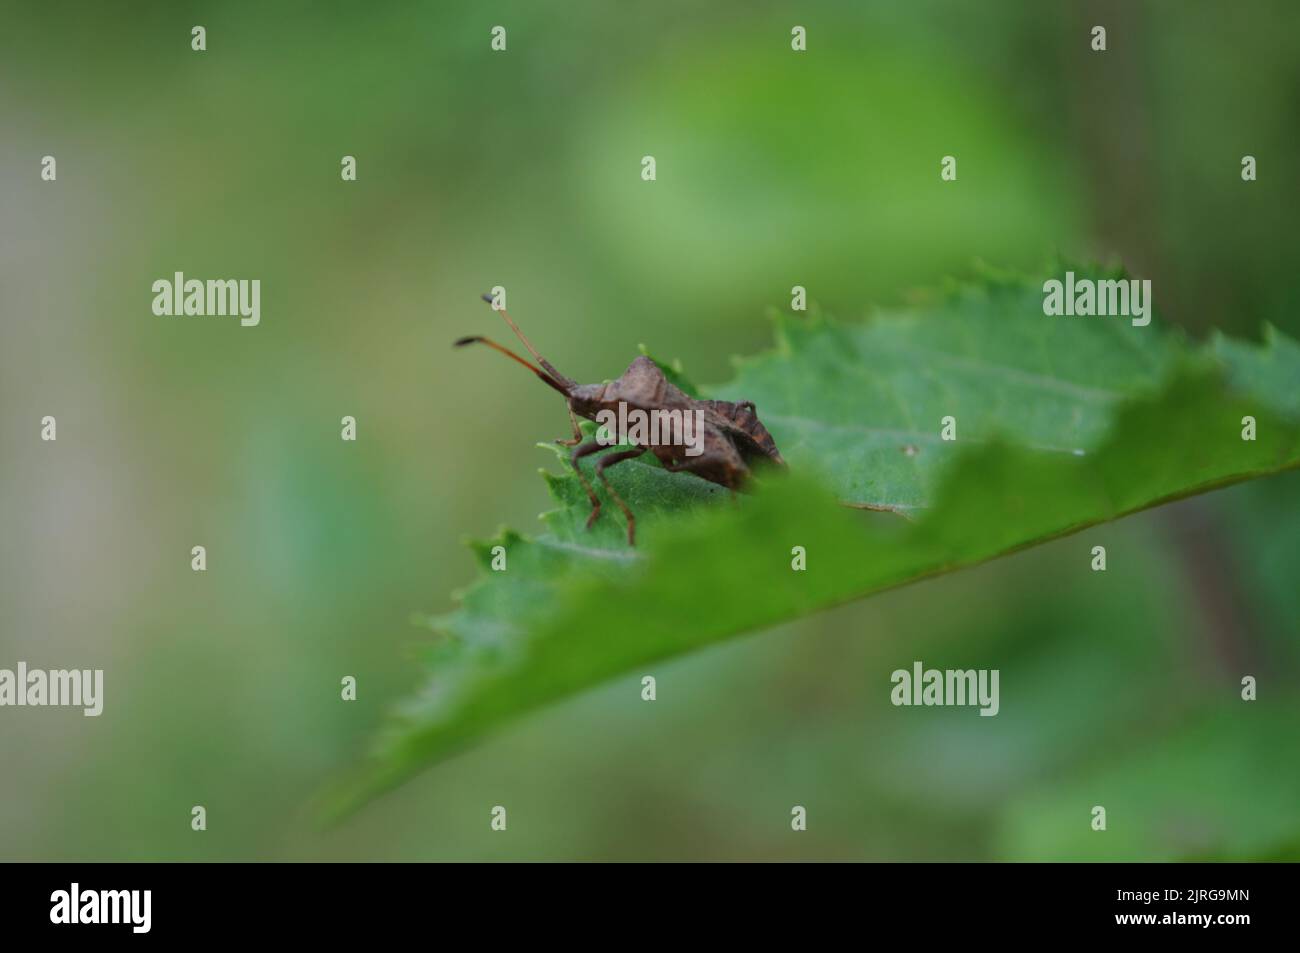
[(515, 357), (528, 344)]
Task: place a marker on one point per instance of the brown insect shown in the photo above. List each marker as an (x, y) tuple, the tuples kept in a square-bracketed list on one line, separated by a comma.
[(731, 437)]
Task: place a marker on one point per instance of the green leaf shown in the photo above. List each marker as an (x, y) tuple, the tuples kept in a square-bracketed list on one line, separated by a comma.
[(1062, 423), (862, 404)]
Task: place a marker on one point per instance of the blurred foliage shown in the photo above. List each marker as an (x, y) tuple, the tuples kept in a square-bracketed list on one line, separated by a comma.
[(522, 169)]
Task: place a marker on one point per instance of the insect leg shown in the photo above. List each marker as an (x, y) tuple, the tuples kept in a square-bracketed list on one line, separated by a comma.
[(577, 431), (590, 447), (609, 461)]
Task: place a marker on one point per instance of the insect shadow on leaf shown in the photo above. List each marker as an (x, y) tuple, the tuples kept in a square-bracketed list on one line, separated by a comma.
[(731, 437)]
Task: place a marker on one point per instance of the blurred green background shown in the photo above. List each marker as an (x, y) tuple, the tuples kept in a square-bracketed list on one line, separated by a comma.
[(523, 169)]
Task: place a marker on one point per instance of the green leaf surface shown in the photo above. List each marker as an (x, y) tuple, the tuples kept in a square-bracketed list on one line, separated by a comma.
[(1061, 423)]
